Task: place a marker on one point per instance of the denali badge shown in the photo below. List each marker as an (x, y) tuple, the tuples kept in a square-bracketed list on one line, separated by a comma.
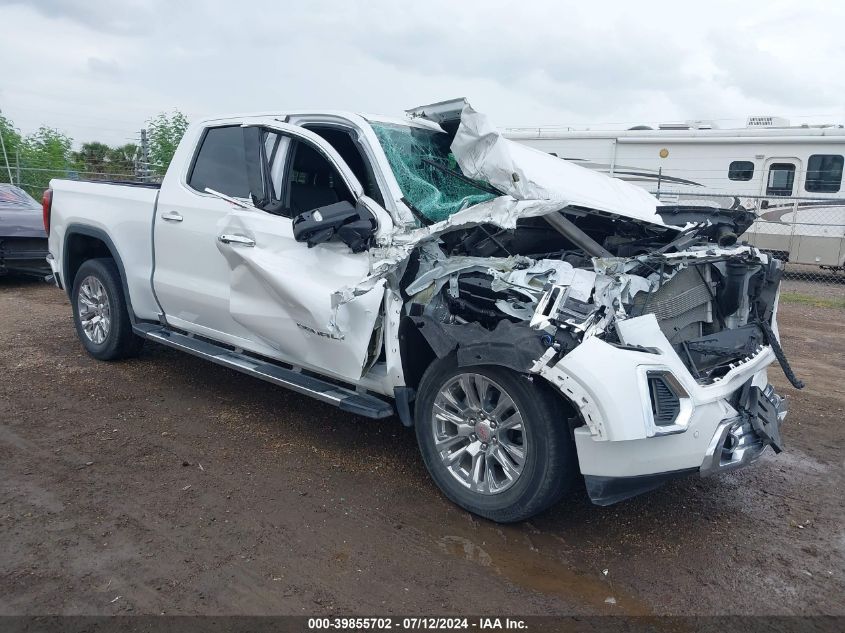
[(335, 337)]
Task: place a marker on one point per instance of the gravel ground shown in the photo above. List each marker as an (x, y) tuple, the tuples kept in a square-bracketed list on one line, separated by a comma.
[(169, 485)]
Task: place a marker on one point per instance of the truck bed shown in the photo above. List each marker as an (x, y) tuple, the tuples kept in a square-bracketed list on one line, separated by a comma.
[(120, 213)]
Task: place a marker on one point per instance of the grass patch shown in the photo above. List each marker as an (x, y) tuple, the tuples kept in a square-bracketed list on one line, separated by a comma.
[(818, 302)]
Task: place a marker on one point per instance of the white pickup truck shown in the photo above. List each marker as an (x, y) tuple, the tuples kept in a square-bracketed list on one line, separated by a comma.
[(530, 318)]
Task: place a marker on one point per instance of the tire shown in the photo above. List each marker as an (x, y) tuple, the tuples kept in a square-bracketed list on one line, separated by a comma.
[(548, 464), (98, 292)]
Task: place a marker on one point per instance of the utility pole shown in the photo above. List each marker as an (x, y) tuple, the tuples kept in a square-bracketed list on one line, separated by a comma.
[(18, 165), (6, 158), (143, 170)]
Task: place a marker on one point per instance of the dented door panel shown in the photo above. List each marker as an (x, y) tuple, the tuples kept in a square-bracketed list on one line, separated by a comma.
[(281, 292)]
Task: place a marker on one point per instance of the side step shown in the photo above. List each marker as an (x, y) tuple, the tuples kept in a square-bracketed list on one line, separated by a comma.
[(341, 397)]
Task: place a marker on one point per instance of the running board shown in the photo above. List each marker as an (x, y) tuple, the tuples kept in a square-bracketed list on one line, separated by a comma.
[(341, 397)]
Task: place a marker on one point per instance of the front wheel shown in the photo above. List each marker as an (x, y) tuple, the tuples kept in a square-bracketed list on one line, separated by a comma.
[(100, 312), (495, 443)]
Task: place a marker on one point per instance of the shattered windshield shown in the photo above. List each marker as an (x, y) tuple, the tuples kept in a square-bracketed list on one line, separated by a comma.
[(421, 161)]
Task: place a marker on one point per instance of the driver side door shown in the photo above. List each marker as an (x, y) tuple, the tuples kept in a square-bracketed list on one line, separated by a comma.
[(283, 293)]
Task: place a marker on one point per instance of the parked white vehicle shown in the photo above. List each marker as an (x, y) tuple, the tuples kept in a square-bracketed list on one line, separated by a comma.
[(529, 317), (791, 176)]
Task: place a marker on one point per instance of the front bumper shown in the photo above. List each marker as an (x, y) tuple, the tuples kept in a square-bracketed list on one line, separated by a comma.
[(624, 448), (737, 442), (740, 440)]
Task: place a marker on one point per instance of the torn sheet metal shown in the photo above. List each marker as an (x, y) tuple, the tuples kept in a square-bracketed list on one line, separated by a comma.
[(451, 265), (503, 212), (529, 174), (555, 372), (388, 257), (532, 280), (442, 112)]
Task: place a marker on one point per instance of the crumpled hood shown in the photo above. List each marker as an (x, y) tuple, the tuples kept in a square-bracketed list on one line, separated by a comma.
[(529, 174)]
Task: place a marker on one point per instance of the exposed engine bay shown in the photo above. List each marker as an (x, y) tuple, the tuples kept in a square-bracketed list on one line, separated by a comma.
[(713, 304)]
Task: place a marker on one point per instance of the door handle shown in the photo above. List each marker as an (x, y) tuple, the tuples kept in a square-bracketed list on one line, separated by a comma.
[(241, 240), (171, 216)]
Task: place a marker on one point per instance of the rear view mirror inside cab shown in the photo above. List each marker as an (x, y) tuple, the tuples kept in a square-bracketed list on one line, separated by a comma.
[(355, 226)]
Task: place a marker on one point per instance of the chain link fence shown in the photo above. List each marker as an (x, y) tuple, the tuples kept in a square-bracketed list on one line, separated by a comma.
[(33, 175), (808, 233), (34, 180)]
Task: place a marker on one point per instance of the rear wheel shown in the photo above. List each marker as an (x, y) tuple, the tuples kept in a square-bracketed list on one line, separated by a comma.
[(100, 312), (496, 443)]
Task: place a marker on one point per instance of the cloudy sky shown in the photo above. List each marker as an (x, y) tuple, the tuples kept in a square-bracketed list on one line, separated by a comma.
[(98, 69)]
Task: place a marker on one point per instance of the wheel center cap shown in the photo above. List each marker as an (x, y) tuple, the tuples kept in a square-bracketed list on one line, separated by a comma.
[(483, 431)]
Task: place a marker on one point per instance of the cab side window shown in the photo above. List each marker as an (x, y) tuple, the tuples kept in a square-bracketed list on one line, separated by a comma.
[(313, 181), (220, 163), (353, 155), (292, 175)]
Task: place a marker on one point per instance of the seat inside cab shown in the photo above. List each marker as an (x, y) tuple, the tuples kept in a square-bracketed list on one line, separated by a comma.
[(314, 182)]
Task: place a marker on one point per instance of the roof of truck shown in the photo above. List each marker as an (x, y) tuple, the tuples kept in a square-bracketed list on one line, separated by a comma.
[(343, 114)]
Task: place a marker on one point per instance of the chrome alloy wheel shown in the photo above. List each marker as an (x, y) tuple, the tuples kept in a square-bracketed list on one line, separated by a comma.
[(94, 309), (478, 434)]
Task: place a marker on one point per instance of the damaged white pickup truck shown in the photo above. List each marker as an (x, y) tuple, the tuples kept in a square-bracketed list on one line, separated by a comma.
[(532, 319)]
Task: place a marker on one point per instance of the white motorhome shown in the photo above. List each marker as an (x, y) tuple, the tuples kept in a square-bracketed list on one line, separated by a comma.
[(791, 176)]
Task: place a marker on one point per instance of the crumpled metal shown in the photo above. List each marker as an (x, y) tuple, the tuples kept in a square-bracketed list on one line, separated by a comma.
[(525, 173)]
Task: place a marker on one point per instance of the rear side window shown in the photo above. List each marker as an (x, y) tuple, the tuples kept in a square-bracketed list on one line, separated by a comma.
[(781, 177), (741, 170), (221, 163), (824, 173)]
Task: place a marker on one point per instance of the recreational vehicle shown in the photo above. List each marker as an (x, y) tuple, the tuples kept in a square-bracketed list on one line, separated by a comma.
[(791, 176)]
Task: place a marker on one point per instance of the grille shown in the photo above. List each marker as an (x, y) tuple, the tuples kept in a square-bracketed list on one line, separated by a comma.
[(665, 404)]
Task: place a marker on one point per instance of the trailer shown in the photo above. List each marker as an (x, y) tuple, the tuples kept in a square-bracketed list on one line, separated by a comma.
[(790, 176)]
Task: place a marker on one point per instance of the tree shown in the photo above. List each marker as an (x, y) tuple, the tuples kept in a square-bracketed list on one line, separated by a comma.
[(92, 159), (97, 161), (46, 154), (122, 159), (164, 132), (37, 158)]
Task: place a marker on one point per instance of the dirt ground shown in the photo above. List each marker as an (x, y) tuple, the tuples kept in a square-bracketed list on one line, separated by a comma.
[(169, 485)]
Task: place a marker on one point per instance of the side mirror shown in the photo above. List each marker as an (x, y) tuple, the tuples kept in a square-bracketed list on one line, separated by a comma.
[(355, 226)]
